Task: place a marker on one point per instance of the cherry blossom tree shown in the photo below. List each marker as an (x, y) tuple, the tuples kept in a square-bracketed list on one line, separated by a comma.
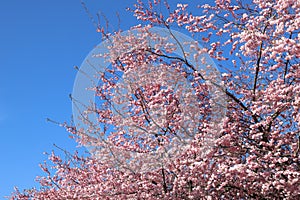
[(168, 128)]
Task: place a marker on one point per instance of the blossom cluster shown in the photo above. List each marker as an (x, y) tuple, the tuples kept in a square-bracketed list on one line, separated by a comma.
[(165, 135)]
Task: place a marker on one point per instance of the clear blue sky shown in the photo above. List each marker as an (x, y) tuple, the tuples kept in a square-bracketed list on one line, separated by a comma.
[(40, 43)]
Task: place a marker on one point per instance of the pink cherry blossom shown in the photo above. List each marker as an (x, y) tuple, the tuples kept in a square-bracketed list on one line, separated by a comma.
[(250, 152)]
